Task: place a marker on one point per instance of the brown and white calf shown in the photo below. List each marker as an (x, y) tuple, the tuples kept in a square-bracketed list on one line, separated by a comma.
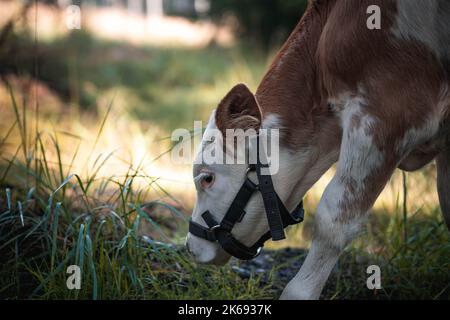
[(370, 100)]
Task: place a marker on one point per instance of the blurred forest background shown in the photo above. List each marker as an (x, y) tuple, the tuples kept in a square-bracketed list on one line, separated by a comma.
[(90, 92)]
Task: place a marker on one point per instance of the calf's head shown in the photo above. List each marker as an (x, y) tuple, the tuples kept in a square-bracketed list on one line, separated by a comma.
[(218, 181)]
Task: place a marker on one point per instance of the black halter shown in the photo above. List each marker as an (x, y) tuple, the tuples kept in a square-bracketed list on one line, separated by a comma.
[(278, 216)]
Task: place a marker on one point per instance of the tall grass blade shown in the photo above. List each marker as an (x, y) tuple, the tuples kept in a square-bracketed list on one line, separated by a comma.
[(55, 234)]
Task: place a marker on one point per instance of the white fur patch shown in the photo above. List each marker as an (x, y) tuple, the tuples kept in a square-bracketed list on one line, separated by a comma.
[(272, 121), (417, 136), (359, 154)]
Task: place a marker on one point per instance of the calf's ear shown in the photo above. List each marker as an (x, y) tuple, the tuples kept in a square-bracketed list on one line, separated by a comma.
[(238, 110)]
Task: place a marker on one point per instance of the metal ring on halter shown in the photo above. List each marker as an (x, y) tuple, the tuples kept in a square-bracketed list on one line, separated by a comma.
[(215, 227)]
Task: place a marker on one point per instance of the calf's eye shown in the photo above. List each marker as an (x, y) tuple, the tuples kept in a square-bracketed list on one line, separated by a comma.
[(207, 181)]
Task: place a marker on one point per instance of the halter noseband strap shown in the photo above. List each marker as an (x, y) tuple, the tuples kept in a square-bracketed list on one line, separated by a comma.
[(278, 216)]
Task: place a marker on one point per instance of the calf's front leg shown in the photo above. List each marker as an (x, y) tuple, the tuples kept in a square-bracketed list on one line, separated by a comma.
[(361, 174)]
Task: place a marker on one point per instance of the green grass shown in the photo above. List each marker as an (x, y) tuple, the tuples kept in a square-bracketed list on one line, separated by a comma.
[(116, 263), (417, 268)]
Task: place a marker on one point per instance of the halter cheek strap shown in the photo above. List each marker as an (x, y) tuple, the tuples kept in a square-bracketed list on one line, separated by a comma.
[(278, 217)]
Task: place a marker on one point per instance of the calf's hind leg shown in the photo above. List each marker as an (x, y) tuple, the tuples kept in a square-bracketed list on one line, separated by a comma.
[(361, 174)]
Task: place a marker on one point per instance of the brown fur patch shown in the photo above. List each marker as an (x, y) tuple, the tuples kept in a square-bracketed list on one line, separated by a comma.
[(402, 79), (291, 87)]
